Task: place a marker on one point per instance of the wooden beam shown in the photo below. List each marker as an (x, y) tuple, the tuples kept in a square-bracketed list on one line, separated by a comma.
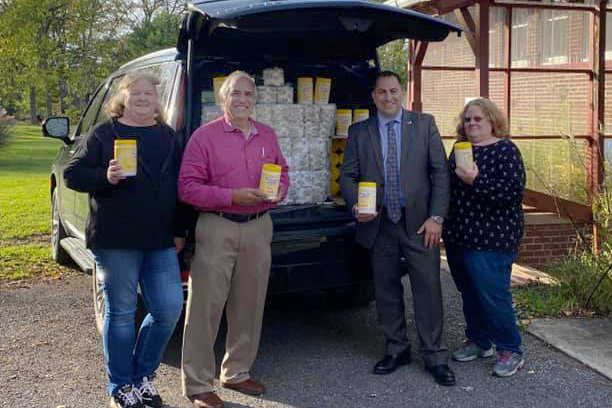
[(596, 147), (482, 57), (576, 212), (416, 55), (445, 6), (467, 22), (508, 63)]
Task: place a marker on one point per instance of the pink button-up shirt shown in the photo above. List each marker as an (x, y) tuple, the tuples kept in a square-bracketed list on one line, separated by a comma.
[(218, 158)]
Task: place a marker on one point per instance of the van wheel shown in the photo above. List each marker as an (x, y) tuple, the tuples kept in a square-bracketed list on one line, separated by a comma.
[(58, 233), (99, 302)]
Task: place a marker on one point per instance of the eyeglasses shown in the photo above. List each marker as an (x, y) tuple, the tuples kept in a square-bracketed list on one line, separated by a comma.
[(476, 119)]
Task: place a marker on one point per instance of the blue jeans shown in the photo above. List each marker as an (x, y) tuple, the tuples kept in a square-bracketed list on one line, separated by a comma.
[(483, 278), (128, 358)]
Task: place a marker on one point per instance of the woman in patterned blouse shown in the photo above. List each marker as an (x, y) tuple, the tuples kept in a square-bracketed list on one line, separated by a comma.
[(482, 235)]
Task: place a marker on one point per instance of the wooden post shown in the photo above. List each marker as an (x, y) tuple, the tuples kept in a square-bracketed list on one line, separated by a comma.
[(508, 61), (482, 56), (596, 147), (416, 55), (477, 35)]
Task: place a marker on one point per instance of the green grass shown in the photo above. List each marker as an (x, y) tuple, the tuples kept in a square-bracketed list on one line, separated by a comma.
[(25, 209), (24, 183), (542, 301)]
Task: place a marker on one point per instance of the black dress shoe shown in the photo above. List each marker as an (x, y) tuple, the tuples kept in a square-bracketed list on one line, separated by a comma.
[(442, 374), (390, 363)]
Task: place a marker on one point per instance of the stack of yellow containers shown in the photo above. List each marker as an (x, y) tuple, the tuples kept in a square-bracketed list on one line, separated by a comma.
[(339, 145), (337, 157)]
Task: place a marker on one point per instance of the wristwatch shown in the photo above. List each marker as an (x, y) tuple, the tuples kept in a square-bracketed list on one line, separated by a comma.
[(438, 219)]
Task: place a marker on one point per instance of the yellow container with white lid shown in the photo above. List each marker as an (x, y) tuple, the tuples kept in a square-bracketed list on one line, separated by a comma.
[(217, 83), (463, 155), (126, 155), (366, 203), (322, 90), (360, 115), (305, 90), (269, 181), (343, 121)]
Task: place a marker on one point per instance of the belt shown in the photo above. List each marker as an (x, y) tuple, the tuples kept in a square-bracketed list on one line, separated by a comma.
[(239, 217)]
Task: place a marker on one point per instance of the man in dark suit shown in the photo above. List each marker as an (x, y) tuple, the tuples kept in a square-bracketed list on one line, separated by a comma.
[(402, 152)]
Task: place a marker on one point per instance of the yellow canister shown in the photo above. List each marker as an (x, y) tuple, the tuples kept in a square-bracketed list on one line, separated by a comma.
[(305, 90), (463, 155), (322, 90), (270, 180), (126, 154), (343, 121), (367, 198), (217, 82), (360, 115)]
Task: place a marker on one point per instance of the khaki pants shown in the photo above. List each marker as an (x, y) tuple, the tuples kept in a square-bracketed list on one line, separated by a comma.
[(230, 270)]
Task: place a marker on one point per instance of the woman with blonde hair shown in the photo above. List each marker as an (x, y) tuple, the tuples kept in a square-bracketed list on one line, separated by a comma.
[(482, 235), (134, 231)]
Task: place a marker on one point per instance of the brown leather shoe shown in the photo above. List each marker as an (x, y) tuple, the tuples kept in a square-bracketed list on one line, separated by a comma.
[(250, 387), (206, 400)]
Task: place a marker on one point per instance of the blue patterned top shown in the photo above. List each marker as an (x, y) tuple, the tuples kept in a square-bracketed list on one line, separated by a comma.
[(488, 215)]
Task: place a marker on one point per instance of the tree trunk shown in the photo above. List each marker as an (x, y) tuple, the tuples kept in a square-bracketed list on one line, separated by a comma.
[(33, 112), (63, 94), (49, 105)]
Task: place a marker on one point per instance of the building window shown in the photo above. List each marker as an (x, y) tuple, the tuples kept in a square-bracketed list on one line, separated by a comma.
[(554, 37), (608, 37), (520, 36)]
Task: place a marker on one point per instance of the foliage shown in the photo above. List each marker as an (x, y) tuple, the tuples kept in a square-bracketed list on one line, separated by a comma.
[(4, 128), (54, 54), (584, 279), (393, 56), (542, 301), (161, 32)]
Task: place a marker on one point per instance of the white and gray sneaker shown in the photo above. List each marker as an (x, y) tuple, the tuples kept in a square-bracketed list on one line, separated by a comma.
[(148, 394), (126, 397), (508, 363), (469, 351)]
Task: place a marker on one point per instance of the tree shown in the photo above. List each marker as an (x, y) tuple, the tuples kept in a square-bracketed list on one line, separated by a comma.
[(147, 36), (53, 53)]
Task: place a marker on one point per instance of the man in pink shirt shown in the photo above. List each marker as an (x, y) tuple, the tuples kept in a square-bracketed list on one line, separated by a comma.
[(219, 176)]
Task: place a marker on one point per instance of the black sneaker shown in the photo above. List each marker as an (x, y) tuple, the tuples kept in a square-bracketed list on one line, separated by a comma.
[(126, 397), (148, 394)]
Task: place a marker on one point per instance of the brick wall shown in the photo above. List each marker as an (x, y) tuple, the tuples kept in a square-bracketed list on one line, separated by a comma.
[(547, 239), (542, 103)]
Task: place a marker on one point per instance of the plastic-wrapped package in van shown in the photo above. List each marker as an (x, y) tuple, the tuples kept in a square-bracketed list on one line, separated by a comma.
[(299, 153), (312, 115), (263, 114), (286, 146), (320, 185), (327, 122), (266, 94), (295, 121), (280, 122), (284, 94), (274, 76), (318, 153), (210, 112)]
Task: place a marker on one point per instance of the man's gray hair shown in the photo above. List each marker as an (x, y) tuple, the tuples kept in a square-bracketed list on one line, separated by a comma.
[(226, 88)]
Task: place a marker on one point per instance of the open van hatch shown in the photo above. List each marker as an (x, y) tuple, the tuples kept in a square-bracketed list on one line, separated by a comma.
[(349, 27)]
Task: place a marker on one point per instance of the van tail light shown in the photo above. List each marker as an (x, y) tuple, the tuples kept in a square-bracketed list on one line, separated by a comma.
[(184, 275)]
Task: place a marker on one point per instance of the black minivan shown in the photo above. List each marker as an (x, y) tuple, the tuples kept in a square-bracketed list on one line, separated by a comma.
[(313, 247)]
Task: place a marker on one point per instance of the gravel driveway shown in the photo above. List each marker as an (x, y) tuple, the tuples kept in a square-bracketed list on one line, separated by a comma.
[(310, 356)]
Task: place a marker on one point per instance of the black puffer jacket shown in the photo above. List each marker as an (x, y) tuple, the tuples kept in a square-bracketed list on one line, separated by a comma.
[(138, 212)]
